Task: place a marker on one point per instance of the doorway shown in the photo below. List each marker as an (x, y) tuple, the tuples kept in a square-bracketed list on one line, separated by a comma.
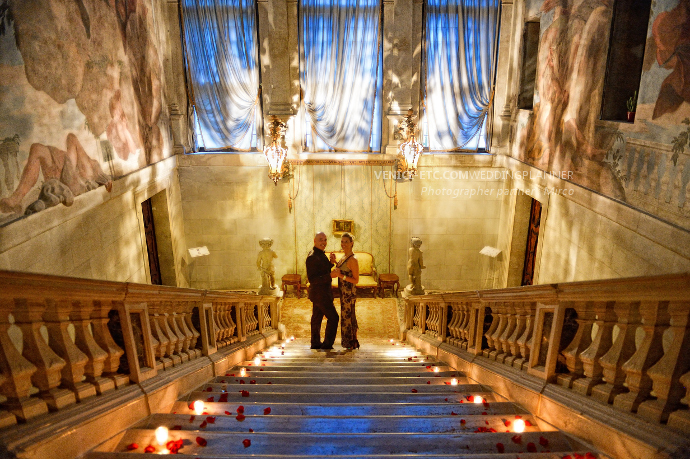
[(532, 241), (158, 237)]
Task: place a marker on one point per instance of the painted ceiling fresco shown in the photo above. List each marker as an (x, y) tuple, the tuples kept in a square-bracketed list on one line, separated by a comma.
[(645, 163), (81, 98)]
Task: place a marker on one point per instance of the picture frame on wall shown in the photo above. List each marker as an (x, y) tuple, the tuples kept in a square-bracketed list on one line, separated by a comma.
[(343, 226)]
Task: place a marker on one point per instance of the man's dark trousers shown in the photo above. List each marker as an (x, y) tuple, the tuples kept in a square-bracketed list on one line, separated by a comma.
[(321, 296)]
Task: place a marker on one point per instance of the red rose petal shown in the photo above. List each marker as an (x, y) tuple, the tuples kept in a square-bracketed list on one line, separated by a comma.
[(528, 424), (132, 446), (267, 410), (247, 442), (507, 423), (241, 381), (209, 389), (517, 416), (227, 412), (240, 417), (191, 418), (201, 441), (223, 398), (191, 406), (245, 393), (269, 382), (222, 381), (453, 413), (210, 399), (428, 382), (589, 455), (517, 439), (531, 447), (414, 391), (176, 427), (446, 399), (501, 449), (211, 419), (428, 367), (484, 413), (462, 422), (203, 425), (240, 409), (543, 441), (252, 381), (251, 430)]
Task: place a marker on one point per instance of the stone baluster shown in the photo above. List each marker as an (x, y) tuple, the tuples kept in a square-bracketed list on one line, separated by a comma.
[(222, 325), (57, 318), (666, 373), (503, 339), (6, 418), (680, 420), (524, 343), (580, 342), (81, 319), (267, 315), (233, 332), (176, 334), (604, 321), (17, 371), (220, 333), (495, 319), (465, 325), (655, 319), (502, 312), (28, 317), (454, 325), (177, 317), (227, 319), (195, 333), (162, 348), (102, 336), (518, 330), (417, 316), (623, 347)]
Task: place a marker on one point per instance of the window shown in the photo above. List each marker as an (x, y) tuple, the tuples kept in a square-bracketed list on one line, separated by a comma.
[(528, 73), (626, 55)]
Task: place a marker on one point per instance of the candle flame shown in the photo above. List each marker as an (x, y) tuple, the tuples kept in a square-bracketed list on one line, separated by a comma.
[(519, 425), (243, 372), (198, 407), (478, 399), (162, 435), (453, 382)]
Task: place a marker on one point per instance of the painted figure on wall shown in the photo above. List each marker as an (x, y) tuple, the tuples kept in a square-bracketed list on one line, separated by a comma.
[(99, 66)]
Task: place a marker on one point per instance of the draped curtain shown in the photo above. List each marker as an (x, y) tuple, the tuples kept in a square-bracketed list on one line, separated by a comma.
[(339, 59), (222, 58), (461, 57)]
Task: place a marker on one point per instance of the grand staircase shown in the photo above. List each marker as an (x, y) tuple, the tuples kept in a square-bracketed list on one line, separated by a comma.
[(384, 400)]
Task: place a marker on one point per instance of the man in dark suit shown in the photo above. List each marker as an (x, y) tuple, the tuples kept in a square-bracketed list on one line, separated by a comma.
[(319, 274)]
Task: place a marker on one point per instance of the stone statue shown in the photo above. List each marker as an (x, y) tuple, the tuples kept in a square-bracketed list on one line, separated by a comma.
[(265, 264), (415, 264)]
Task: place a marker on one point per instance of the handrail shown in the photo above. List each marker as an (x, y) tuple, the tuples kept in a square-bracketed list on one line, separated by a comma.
[(64, 340), (624, 342)]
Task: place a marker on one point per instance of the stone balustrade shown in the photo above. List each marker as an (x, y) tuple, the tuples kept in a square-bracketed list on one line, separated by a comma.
[(620, 342), (64, 340)]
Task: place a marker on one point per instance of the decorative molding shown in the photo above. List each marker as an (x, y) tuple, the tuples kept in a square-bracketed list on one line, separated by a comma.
[(343, 162)]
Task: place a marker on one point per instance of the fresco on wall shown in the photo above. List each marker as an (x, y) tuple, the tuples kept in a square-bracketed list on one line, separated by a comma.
[(644, 163), (81, 99)]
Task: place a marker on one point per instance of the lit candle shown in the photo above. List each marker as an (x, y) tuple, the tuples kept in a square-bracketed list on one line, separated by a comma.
[(436, 370), (292, 338), (243, 372), (519, 426), (391, 340), (454, 382), (478, 399), (282, 346), (257, 360), (198, 407), (162, 435)]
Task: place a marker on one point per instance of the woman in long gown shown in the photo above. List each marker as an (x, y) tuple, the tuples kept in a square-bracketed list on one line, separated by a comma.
[(347, 281)]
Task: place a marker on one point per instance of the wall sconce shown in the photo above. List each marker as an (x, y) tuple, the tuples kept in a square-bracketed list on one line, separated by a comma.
[(409, 151), (275, 154)]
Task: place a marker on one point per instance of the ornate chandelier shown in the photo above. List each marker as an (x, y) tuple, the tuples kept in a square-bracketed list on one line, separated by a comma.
[(275, 154), (409, 151)]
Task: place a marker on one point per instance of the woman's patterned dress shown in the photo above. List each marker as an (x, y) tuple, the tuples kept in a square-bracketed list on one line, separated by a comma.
[(348, 297)]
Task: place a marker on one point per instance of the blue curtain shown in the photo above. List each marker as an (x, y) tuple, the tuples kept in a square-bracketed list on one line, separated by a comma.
[(461, 44), (222, 58), (339, 47)]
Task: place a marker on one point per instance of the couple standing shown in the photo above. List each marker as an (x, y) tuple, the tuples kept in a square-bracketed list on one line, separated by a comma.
[(319, 273)]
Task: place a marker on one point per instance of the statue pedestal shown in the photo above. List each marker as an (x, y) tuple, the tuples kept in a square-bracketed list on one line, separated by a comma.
[(275, 291)]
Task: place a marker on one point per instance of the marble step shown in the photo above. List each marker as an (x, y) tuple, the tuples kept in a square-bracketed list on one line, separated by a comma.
[(337, 424), (335, 380), (351, 398), (321, 372), (464, 389), (254, 406), (230, 444), (309, 366)]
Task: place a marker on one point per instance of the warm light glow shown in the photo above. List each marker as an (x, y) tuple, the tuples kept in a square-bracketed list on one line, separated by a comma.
[(454, 382), (391, 340), (243, 372), (198, 407), (519, 425), (292, 338), (162, 435), (409, 151), (282, 346), (436, 370), (275, 154), (257, 360), (478, 399)]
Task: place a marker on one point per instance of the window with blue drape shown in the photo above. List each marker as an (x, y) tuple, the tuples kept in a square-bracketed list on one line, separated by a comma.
[(340, 74), (461, 41), (222, 60)]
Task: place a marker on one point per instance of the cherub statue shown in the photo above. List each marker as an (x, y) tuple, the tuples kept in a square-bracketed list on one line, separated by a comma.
[(265, 264), (415, 264)]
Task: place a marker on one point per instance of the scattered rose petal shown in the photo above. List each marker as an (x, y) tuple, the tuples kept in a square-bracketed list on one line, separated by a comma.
[(446, 399), (543, 441), (176, 427), (484, 413), (150, 449), (267, 410), (240, 409), (209, 389), (462, 401), (245, 393), (210, 399), (501, 449), (191, 418), (462, 422), (203, 425), (531, 447), (247, 442), (589, 455), (453, 413), (252, 381), (492, 430), (223, 398), (414, 391), (240, 417), (211, 419), (528, 424), (132, 446), (269, 382), (517, 416), (428, 367), (222, 381), (507, 423), (191, 406), (428, 382), (517, 439), (201, 441), (251, 430), (241, 381), (227, 412), (486, 422)]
